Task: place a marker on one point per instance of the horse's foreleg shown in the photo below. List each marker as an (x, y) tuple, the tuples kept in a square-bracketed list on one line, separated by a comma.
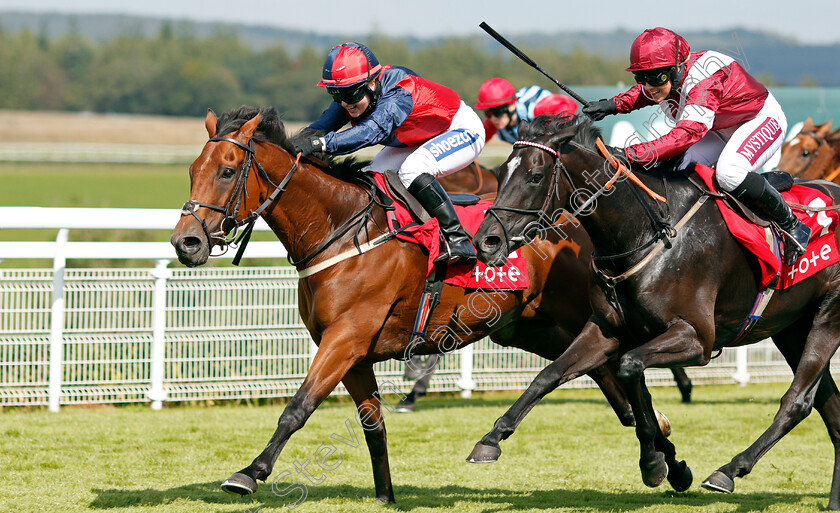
[(809, 363), (678, 345), (360, 382), (331, 363), (587, 351)]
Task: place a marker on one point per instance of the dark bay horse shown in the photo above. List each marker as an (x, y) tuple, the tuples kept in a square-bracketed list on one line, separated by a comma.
[(813, 153), (672, 308), (361, 310)]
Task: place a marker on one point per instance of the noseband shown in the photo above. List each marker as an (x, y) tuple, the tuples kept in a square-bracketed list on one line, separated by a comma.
[(553, 193), (232, 237)]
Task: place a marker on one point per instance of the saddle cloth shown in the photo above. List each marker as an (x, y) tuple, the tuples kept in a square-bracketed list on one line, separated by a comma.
[(765, 244), (512, 276)]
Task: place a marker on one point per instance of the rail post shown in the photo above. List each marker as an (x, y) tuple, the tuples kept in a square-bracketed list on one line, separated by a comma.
[(467, 383), (161, 274), (57, 323), (742, 374)]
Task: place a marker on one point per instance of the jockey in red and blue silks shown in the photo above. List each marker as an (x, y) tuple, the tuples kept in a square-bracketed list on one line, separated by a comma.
[(721, 116), (425, 128), (504, 109)]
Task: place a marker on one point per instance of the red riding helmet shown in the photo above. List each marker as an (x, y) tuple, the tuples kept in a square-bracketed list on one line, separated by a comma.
[(349, 64), (555, 104), (657, 48), (494, 92)]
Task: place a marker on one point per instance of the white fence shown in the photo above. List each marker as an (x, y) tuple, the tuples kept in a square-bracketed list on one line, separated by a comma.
[(81, 336)]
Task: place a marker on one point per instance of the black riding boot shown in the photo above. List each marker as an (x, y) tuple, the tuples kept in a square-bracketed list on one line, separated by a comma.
[(434, 199), (757, 193)]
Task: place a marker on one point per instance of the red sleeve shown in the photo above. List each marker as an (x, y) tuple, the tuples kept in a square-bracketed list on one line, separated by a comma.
[(489, 129), (679, 139), (631, 100), (555, 104)]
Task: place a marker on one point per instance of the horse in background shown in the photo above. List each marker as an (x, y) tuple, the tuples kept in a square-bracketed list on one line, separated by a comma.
[(473, 179), (813, 153)]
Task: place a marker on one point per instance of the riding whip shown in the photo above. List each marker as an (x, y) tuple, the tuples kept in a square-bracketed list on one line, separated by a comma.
[(530, 62)]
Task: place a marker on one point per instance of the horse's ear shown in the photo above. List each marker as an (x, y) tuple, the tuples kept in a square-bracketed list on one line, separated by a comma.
[(248, 129), (210, 123), (808, 125), (825, 129), (564, 136)]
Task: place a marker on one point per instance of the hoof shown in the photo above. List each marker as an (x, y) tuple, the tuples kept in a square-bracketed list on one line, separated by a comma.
[(719, 482), (239, 484), (404, 408), (654, 476), (680, 477), (482, 453), (664, 423)]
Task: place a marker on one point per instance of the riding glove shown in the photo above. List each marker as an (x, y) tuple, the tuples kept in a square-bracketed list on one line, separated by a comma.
[(308, 145), (600, 109)]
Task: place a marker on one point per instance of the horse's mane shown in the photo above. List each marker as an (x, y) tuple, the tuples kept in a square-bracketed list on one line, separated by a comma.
[(551, 124), (272, 130)]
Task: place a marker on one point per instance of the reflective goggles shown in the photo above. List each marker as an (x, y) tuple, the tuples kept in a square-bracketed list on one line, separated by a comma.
[(655, 78), (497, 112), (349, 95)]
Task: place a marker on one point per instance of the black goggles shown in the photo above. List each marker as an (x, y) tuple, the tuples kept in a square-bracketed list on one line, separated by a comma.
[(348, 95), (497, 112), (653, 78)]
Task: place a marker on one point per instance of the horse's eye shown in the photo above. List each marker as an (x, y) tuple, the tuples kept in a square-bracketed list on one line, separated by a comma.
[(228, 173), (805, 153), (535, 178)]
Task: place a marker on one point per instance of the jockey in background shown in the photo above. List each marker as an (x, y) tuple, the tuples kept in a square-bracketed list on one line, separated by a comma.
[(425, 128), (722, 117), (504, 109)]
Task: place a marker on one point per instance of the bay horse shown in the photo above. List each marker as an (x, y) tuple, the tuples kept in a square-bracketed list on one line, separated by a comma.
[(813, 153), (473, 179), (361, 310), (674, 307)]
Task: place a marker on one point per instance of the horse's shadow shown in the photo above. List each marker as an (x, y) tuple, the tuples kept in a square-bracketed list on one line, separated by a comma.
[(410, 497)]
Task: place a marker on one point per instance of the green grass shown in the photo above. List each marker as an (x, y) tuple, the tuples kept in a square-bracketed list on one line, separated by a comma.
[(570, 454), (94, 185), (97, 185)]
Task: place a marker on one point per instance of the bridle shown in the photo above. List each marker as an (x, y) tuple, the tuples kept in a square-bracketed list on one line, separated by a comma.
[(553, 193), (240, 193), (238, 196)]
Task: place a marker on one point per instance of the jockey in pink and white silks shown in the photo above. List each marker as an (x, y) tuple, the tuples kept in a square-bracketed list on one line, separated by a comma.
[(504, 109), (425, 128), (722, 116)]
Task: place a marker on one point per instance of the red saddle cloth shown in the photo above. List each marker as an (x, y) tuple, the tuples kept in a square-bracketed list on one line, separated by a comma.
[(822, 248), (512, 276)]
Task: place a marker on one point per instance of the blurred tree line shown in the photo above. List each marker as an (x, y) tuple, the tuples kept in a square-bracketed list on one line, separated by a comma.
[(177, 73)]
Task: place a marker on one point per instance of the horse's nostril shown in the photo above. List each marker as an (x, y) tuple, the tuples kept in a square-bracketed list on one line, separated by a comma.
[(190, 242), (491, 242)]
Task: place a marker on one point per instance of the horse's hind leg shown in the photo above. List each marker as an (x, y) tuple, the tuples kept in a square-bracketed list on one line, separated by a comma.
[(809, 363), (419, 389), (360, 382), (828, 405), (683, 383)]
